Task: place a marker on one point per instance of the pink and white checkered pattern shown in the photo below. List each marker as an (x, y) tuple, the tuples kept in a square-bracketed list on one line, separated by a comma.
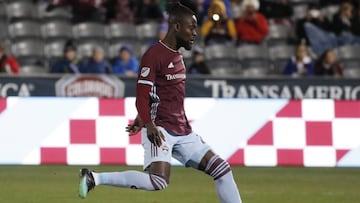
[(304, 133), (301, 133), (92, 137)]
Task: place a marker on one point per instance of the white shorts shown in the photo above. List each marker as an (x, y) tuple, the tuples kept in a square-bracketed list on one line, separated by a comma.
[(188, 149)]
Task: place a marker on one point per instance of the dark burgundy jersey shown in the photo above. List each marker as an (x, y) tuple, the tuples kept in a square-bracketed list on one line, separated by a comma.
[(163, 69)]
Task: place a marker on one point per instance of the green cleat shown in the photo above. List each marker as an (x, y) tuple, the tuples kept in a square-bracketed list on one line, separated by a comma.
[(87, 182)]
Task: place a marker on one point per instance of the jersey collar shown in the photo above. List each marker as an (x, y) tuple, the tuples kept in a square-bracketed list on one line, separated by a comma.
[(168, 47)]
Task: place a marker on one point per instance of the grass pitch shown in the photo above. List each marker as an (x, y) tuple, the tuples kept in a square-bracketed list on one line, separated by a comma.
[(44, 184)]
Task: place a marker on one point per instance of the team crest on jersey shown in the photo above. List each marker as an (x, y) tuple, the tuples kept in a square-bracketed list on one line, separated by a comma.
[(145, 71), (165, 149)]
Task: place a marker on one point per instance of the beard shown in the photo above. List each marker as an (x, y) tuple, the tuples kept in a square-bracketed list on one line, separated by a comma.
[(183, 43)]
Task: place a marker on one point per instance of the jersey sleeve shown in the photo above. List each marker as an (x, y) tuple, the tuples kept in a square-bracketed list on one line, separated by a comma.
[(145, 82), (148, 67)]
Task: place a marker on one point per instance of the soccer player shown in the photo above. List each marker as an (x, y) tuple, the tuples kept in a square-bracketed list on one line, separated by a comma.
[(165, 129)]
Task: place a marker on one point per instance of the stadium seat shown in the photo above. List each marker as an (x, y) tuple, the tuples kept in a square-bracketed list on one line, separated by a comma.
[(85, 48), (278, 34), (277, 66), (25, 29), (28, 48), (352, 69), (29, 52), (33, 69), (352, 72), (245, 52), (330, 11), (349, 52), (57, 29), (279, 55), (219, 51), (281, 52), (224, 67), (3, 30), (3, 14), (122, 31), (54, 49), (20, 10), (299, 11), (255, 71), (147, 31), (60, 13), (253, 56), (222, 60), (89, 30)]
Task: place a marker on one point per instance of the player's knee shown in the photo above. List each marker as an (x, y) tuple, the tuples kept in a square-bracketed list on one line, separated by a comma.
[(159, 183), (217, 167)]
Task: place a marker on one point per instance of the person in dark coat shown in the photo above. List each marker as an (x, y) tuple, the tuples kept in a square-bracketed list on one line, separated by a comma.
[(198, 65), (69, 63)]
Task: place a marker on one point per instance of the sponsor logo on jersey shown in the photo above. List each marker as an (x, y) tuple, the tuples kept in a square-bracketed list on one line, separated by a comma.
[(175, 76), (145, 71), (171, 65)]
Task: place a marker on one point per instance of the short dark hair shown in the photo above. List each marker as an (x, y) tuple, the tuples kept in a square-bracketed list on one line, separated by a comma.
[(177, 11)]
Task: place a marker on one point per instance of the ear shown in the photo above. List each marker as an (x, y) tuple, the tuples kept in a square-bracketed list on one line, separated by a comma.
[(177, 27)]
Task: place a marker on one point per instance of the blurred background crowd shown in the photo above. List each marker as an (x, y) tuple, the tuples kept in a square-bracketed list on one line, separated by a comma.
[(250, 38)]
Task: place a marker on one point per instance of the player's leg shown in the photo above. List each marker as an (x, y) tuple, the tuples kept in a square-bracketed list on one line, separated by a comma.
[(195, 153), (220, 170), (155, 179), (157, 164)]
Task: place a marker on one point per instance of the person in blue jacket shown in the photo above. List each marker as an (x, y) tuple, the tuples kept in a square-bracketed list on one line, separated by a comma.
[(97, 63), (301, 64), (126, 63)]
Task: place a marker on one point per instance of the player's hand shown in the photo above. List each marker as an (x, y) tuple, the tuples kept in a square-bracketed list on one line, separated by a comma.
[(132, 129), (154, 134)]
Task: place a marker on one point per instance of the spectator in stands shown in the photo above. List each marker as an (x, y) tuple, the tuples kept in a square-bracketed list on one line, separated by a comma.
[(252, 26), (324, 3), (276, 11), (218, 28), (198, 64), (236, 8), (69, 63), (355, 24), (328, 65), (119, 11), (300, 64), (82, 10), (126, 63), (314, 16), (207, 4), (147, 10), (342, 20), (8, 63), (322, 40), (97, 63)]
